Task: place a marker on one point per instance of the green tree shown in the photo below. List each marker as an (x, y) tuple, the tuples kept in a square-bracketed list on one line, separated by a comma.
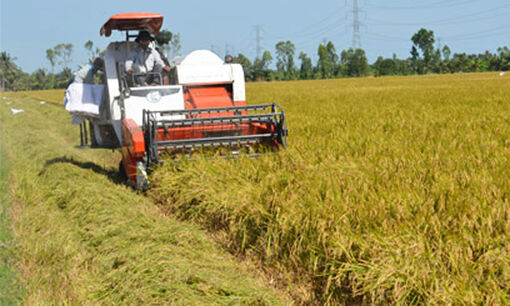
[(11, 77), (385, 66), (174, 46), (285, 59), (435, 63), (64, 78), (260, 68), (41, 80), (324, 65), (7, 70), (356, 62), (504, 58), (446, 53), (444, 64), (245, 62), (93, 53), (483, 64), (306, 70), (328, 65), (491, 60), (163, 39), (62, 53), (50, 55), (459, 62), (424, 40), (333, 59), (416, 63)]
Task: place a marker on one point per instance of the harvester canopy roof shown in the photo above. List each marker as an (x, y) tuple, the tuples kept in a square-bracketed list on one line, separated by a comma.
[(132, 21)]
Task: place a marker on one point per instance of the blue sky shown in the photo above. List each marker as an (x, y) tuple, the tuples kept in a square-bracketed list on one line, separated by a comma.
[(29, 27)]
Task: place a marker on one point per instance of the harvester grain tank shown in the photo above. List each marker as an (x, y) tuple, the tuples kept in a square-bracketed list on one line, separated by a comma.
[(200, 103)]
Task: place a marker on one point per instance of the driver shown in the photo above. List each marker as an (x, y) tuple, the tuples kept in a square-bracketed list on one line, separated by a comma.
[(144, 59)]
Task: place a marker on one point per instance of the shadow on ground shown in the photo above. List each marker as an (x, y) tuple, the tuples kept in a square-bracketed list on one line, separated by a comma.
[(112, 174)]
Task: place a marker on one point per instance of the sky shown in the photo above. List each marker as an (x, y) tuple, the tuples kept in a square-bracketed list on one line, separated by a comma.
[(29, 27)]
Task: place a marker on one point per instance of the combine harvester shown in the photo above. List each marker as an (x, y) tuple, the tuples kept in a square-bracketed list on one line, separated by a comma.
[(201, 103)]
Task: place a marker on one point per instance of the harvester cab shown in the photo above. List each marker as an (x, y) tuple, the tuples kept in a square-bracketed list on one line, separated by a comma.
[(200, 102)]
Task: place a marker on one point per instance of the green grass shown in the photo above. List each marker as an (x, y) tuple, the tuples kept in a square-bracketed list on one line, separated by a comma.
[(10, 287), (392, 190), (85, 238)]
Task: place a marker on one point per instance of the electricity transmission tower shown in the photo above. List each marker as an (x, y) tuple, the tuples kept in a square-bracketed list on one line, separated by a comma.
[(356, 37), (258, 38)]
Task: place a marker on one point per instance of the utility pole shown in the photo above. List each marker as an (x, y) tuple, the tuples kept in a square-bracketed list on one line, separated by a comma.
[(356, 37), (258, 38)]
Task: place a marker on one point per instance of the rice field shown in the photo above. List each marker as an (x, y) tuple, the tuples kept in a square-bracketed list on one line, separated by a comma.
[(391, 191)]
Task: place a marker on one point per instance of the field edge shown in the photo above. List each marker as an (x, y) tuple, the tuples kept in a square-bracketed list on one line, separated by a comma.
[(10, 285)]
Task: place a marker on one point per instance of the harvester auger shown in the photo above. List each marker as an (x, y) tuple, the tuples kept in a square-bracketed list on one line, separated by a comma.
[(200, 104)]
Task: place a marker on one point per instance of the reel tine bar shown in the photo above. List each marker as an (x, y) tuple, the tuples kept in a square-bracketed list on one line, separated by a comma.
[(178, 130)]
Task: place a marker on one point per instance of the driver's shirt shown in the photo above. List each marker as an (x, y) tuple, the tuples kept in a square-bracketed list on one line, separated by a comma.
[(143, 61)]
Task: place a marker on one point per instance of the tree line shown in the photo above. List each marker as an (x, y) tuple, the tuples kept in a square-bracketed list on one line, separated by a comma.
[(424, 58), (13, 78)]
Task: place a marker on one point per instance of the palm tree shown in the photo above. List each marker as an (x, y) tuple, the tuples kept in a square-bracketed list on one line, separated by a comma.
[(7, 70)]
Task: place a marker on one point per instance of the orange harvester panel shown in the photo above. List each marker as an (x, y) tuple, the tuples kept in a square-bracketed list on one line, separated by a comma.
[(133, 147), (132, 21), (206, 97), (209, 97)]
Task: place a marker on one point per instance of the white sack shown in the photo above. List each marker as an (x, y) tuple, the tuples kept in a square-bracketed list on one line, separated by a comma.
[(16, 111), (84, 99)]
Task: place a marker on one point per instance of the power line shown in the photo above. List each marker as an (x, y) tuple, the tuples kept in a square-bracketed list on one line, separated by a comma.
[(384, 37), (449, 21), (435, 5), (494, 34), (318, 32), (327, 23), (482, 33)]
